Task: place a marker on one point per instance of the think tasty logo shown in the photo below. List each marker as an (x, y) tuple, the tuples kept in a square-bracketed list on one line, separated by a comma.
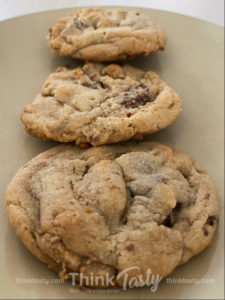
[(107, 281)]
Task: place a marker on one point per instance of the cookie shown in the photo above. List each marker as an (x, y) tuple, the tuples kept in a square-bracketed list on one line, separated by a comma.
[(95, 34), (100, 104), (116, 211)]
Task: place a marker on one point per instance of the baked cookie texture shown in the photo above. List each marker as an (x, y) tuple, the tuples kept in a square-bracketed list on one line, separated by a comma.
[(101, 104), (106, 209), (95, 34)]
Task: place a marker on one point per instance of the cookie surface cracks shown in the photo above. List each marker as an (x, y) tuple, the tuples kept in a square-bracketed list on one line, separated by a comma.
[(95, 34), (100, 104), (107, 209)]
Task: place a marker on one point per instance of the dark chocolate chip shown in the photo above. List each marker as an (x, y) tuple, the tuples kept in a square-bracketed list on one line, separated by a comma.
[(205, 231), (129, 114), (211, 219), (178, 207), (136, 95), (101, 84), (167, 222)]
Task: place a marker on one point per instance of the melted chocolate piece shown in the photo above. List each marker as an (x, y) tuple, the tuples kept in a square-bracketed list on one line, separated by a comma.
[(211, 219), (178, 206), (136, 95), (205, 231), (168, 222)]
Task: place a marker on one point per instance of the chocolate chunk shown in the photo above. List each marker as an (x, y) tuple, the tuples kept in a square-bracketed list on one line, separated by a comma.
[(129, 247), (79, 24), (136, 95), (205, 231), (101, 84), (211, 219), (178, 207), (167, 222)]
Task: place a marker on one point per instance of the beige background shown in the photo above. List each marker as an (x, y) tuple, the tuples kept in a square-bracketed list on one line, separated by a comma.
[(192, 63)]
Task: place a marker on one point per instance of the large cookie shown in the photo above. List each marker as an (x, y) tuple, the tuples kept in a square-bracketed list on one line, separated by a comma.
[(109, 209), (95, 34), (100, 104)]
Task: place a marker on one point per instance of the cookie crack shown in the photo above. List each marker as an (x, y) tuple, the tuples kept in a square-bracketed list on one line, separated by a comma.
[(83, 130), (37, 203), (113, 41)]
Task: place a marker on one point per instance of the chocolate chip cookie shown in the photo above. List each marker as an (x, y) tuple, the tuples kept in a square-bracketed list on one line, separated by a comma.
[(100, 104), (95, 34), (109, 209)]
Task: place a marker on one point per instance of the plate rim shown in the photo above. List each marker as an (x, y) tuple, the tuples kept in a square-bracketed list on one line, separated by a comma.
[(110, 6)]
